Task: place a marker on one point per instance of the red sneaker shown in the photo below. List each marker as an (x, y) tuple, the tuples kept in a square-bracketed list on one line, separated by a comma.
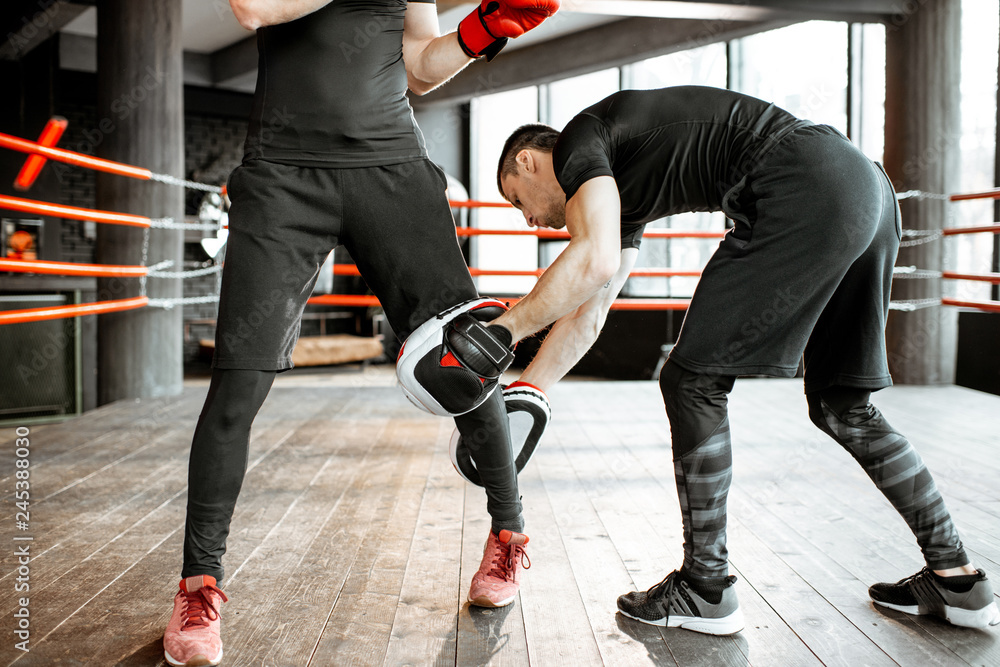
[(499, 576), (192, 638)]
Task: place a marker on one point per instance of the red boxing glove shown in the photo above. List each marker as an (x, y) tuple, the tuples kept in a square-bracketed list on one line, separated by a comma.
[(485, 31)]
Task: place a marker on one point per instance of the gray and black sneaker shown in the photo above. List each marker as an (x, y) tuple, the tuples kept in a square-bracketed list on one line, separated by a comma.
[(673, 603), (964, 600)]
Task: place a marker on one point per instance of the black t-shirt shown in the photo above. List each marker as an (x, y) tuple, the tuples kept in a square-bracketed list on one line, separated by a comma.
[(331, 89), (670, 150)]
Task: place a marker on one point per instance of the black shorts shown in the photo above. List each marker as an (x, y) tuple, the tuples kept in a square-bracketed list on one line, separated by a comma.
[(394, 220), (806, 270)]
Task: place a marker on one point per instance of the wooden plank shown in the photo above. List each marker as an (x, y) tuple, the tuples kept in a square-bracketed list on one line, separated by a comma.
[(485, 636), (766, 638), (425, 629), (95, 514), (599, 569), (809, 531), (903, 643), (847, 518), (66, 599), (561, 634), (358, 627), (80, 444), (284, 592)]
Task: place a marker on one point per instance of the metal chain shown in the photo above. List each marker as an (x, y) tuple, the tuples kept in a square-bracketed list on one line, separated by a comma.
[(168, 223), (170, 303), (185, 274), (913, 272), (913, 304), (191, 185), (920, 194), (145, 256), (921, 239)]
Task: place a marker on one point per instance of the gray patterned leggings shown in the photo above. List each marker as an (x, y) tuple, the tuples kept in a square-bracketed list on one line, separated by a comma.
[(702, 451)]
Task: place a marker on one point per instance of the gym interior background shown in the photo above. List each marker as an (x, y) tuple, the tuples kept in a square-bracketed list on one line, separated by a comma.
[(934, 126)]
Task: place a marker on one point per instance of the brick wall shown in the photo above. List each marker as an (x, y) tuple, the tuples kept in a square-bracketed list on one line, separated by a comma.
[(213, 148)]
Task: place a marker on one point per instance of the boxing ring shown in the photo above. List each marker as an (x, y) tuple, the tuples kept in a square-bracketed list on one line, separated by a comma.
[(352, 511), (44, 149)]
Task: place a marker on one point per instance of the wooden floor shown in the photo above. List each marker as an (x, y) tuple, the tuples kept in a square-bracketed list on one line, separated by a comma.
[(354, 541)]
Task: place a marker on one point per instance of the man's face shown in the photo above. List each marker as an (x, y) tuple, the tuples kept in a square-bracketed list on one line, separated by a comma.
[(536, 193)]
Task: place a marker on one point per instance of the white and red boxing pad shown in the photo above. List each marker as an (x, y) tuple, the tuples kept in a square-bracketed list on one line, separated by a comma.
[(452, 362), (485, 31), (528, 412)]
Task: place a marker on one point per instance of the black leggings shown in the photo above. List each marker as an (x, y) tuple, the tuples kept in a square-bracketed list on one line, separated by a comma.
[(219, 456), (397, 225), (702, 451)]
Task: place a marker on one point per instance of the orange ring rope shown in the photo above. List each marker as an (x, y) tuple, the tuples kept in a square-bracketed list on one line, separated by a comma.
[(72, 212), (352, 270), (981, 277), (987, 194), (32, 167), (366, 300), (76, 310), (71, 268), (348, 300), (985, 229), (554, 234), (988, 306), (472, 203), (73, 158)]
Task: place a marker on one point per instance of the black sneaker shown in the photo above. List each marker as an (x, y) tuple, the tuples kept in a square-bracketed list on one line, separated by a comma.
[(673, 603), (922, 593)]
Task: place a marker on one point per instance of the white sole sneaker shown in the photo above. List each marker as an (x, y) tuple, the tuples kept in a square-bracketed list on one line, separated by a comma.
[(967, 618), (726, 625)]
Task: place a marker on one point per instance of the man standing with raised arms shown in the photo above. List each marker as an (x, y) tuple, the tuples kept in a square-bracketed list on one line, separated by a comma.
[(806, 270), (333, 156)]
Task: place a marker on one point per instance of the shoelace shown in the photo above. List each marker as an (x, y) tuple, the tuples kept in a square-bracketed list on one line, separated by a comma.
[(913, 577), (199, 610), (505, 561), (665, 588)]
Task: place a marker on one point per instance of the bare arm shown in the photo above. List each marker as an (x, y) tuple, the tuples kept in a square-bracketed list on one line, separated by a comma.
[(573, 335), (430, 58), (253, 14), (592, 258)]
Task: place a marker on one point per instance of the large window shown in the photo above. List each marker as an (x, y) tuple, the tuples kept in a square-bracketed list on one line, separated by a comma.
[(801, 68), (494, 117), (566, 98), (867, 122), (827, 72), (974, 253), (704, 66)]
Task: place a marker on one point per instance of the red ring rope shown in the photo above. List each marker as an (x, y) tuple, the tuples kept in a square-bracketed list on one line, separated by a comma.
[(988, 306), (72, 212), (992, 229), (993, 278), (33, 165), (76, 159), (71, 268), (77, 310)]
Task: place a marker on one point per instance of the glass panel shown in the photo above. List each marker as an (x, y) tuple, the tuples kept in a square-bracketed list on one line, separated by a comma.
[(801, 68), (973, 253), (704, 66), (871, 87), (569, 97), (494, 118)]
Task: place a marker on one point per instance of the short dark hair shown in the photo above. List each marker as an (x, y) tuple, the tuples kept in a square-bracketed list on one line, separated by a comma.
[(533, 136)]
